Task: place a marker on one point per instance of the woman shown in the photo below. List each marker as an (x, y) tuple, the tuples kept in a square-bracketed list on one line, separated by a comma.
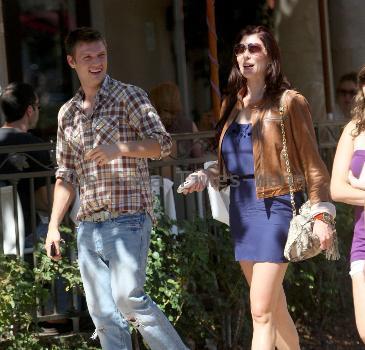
[(250, 146), (349, 187), (166, 98)]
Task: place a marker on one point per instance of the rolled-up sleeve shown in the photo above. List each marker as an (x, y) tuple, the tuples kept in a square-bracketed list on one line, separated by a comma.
[(65, 159), (144, 118)]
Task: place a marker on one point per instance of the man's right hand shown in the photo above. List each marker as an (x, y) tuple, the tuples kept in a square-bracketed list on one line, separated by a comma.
[(53, 237)]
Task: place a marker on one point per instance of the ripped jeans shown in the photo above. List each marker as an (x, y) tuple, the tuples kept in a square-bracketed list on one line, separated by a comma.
[(112, 256)]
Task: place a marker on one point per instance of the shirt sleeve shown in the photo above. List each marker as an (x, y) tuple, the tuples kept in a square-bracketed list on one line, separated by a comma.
[(64, 155), (144, 118), (315, 171)]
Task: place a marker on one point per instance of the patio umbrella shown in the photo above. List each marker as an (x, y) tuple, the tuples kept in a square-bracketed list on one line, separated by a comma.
[(213, 56)]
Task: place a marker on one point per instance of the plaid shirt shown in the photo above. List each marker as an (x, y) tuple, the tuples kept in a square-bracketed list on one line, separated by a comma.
[(122, 113)]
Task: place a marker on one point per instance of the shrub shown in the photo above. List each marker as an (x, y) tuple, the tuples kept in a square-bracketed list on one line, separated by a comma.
[(194, 279)]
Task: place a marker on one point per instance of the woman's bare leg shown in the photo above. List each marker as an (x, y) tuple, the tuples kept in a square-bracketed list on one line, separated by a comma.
[(272, 322), (286, 334), (358, 290)]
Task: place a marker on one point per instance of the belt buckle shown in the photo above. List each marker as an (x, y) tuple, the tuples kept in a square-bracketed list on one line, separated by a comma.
[(97, 217), (102, 216)]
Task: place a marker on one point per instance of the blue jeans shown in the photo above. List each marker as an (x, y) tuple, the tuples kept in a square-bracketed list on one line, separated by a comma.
[(112, 258)]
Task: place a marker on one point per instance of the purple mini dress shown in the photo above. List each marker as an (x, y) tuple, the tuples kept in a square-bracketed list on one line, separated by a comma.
[(358, 241)]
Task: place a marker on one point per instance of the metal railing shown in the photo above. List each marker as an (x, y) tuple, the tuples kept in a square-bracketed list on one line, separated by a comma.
[(174, 168)]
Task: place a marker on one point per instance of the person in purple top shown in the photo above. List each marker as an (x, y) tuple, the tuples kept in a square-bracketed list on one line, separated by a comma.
[(349, 187)]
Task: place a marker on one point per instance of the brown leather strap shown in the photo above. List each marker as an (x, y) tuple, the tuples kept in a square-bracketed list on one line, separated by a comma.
[(282, 110)]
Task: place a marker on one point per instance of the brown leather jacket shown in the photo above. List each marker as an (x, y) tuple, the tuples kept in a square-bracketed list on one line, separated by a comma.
[(306, 165)]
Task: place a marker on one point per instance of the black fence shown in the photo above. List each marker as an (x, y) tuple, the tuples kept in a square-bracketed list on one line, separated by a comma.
[(190, 152)]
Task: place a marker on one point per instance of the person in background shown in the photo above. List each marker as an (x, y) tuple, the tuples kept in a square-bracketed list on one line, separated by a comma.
[(250, 150), (20, 106), (345, 93), (348, 186), (166, 98)]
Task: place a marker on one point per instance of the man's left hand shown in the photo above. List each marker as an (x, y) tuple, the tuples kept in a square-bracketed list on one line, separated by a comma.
[(103, 154)]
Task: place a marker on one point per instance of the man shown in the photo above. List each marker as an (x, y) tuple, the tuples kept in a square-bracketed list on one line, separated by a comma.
[(20, 107), (106, 132), (345, 93)]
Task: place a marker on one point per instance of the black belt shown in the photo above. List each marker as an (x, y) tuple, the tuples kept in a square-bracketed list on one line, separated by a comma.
[(241, 177)]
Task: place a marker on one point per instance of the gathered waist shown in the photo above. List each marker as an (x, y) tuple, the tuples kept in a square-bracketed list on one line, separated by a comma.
[(243, 177), (239, 178)]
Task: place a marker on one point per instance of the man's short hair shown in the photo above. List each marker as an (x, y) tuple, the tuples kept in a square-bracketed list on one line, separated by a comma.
[(15, 99), (352, 76), (82, 34)]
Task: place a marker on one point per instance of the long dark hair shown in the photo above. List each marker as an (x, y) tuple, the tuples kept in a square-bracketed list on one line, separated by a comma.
[(358, 108), (275, 81)]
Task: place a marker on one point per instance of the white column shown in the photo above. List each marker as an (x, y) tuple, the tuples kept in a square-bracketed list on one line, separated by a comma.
[(298, 31), (3, 60), (179, 44), (347, 26), (97, 13)]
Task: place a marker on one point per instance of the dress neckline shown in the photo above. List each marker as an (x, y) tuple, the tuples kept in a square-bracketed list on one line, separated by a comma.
[(245, 124)]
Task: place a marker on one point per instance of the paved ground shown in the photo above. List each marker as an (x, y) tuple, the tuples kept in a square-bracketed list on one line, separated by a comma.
[(343, 337)]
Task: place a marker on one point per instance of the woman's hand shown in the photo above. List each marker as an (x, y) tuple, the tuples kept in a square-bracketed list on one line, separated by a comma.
[(325, 233), (356, 182), (199, 181)]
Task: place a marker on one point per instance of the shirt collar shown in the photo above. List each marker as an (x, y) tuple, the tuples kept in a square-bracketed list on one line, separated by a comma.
[(102, 94)]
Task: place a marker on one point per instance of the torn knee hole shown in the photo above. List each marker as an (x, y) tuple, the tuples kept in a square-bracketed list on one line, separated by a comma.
[(98, 330), (134, 321)]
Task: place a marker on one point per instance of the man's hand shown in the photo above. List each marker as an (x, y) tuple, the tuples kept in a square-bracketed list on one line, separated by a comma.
[(53, 237), (324, 232), (103, 154)]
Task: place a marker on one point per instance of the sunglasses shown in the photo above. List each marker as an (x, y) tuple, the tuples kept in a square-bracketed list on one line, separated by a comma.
[(345, 92), (36, 105), (240, 49)]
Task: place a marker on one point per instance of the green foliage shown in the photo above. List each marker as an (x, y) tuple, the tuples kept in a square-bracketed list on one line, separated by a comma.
[(48, 270), (17, 295), (76, 342), (20, 287), (163, 270), (215, 294), (24, 340), (29, 341), (193, 278)]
